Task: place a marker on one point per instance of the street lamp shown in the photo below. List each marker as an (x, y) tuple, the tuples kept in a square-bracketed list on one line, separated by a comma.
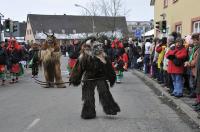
[(93, 26)]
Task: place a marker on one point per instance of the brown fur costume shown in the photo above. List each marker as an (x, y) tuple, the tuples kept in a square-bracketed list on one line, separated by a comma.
[(50, 57), (94, 67)]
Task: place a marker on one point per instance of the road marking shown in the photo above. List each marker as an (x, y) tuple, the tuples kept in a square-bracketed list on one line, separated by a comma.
[(33, 123)]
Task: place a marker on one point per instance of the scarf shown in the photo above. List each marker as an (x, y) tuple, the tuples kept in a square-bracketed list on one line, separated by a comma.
[(193, 51)]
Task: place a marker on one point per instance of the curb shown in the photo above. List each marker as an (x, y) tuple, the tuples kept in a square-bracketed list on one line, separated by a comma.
[(186, 109)]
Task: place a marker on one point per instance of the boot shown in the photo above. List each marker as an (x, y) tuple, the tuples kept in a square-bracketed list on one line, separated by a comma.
[(3, 82), (88, 111)]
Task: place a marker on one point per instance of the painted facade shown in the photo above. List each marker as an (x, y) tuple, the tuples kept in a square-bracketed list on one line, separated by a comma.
[(181, 15)]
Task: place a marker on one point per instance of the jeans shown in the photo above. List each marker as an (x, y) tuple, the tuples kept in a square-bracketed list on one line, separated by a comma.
[(161, 75), (146, 63), (178, 84)]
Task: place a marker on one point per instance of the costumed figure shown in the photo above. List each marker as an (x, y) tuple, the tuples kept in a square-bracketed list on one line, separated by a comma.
[(34, 59), (106, 45), (15, 55), (95, 69), (118, 63), (63, 49), (125, 59), (73, 51), (50, 58), (3, 63)]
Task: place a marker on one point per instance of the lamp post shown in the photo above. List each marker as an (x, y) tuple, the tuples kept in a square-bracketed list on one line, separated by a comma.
[(1, 15), (93, 26)]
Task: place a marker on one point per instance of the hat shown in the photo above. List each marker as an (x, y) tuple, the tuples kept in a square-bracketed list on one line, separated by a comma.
[(195, 36), (179, 40)]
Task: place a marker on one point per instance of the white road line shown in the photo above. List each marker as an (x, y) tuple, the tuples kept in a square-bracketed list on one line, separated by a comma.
[(33, 123)]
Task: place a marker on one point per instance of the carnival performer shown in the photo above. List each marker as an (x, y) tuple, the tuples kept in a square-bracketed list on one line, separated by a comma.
[(125, 59), (117, 59), (49, 56), (73, 51), (3, 63), (34, 59), (15, 55), (95, 68)]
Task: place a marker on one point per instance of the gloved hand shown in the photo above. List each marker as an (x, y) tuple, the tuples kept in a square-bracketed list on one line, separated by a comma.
[(171, 57)]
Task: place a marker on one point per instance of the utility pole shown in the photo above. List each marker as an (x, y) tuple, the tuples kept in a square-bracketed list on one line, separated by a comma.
[(92, 16)]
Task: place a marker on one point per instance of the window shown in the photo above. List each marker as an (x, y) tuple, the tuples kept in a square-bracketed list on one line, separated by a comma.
[(196, 27), (165, 3), (178, 28)]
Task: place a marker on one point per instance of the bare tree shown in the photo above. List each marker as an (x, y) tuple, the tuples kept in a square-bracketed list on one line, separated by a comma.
[(92, 9), (108, 8), (104, 7)]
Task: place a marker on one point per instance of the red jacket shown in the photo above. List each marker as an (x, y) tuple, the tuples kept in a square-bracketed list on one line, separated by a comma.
[(180, 54), (125, 57)]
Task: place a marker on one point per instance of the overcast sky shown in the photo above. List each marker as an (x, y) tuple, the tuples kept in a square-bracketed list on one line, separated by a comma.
[(18, 9)]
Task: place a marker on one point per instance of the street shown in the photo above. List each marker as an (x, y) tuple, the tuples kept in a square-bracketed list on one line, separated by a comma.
[(27, 107)]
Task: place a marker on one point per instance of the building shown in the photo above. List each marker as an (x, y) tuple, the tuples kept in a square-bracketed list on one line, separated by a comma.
[(182, 16), (65, 25), (137, 28), (19, 34)]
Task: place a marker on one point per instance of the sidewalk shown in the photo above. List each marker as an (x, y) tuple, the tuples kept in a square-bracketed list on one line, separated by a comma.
[(184, 104)]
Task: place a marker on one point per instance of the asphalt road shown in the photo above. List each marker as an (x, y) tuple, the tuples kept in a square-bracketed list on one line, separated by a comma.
[(26, 107)]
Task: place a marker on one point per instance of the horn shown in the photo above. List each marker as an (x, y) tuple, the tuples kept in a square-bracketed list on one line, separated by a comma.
[(45, 32)]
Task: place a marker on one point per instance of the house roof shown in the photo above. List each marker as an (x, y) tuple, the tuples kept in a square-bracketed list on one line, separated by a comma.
[(152, 3), (22, 29), (69, 23)]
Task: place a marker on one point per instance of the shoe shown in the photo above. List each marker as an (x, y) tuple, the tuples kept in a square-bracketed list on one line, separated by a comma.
[(172, 94), (16, 80), (195, 104), (197, 108), (88, 112), (198, 116), (178, 96), (3, 82), (12, 81), (192, 95)]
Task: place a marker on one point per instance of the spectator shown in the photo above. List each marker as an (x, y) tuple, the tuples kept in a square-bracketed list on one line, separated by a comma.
[(147, 52), (176, 55)]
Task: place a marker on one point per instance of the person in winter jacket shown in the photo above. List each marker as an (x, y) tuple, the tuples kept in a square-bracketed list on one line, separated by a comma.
[(161, 52), (192, 64), (177, 55)]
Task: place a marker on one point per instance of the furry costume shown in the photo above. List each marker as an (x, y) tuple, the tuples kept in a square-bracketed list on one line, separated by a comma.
[(95, 68), (50, 58)]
